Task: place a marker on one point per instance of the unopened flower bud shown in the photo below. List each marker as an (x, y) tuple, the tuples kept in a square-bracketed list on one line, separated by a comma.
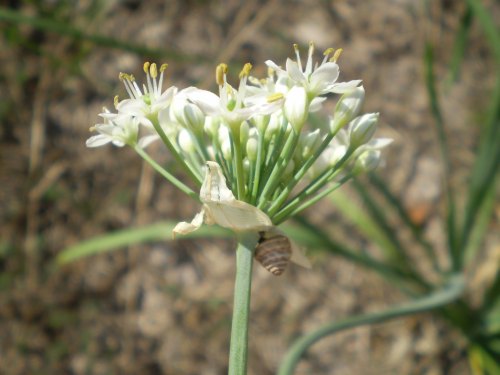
[(244, 129), (226, 150), (309, 142), (361, 129), (272, 128), (186, 141), (188, 114), (252, 145), (211, 125), (367, 162), (261, 122), (296, 107), (347, 108)]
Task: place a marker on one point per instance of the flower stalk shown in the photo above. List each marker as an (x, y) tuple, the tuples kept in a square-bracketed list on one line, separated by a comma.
[(238, 351)]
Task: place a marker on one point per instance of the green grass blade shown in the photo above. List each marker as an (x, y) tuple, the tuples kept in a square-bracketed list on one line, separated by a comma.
[(366, 224), (314, 237), (430, 81), (450, 292), (161, 231), (487, 162), (415, 230), (378, 218), (65, 29), (459, 46)]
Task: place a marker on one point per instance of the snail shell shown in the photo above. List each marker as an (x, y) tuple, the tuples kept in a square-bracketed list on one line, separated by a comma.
[(273, 252)]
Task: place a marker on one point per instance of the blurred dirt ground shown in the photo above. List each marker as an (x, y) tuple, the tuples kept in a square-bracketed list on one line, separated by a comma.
[(165, 308)]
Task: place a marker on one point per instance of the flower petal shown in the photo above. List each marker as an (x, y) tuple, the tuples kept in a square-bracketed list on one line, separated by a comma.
[(208, 102), (185, 228), (343, 87)]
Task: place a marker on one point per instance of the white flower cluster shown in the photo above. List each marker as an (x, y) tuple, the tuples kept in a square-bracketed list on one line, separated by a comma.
[(260, 135)]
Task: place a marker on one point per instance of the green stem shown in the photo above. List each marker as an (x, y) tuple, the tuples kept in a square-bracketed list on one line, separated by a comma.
[(314, 186), (174, 152), (300, 173), (256, 180), (278, 169), (238, 352), (238, 166), (165, 174), (293, 210)]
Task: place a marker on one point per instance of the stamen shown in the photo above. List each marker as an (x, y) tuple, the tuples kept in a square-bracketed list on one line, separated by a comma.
[(327, 54), (145, 67), (153, 70), (336, 55), (245, 72), (309, 63), (220, 73), (115, 101), (275, 97), (92, 128), (163, 67), (297, 55)]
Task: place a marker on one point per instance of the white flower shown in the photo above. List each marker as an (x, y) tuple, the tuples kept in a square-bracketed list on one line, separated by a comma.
[(119, 129), (317, 80), (149, 101), (230, 104)]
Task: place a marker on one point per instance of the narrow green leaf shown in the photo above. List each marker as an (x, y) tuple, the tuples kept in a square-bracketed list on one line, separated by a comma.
[(366, 225), (161, 231), (450, 292), (451, 232)]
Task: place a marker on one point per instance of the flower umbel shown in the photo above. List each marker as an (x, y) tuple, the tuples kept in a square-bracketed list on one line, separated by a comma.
[(249, 148)]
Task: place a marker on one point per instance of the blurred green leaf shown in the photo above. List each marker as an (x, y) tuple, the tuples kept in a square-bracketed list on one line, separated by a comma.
[(161, 231), (450, 292), (66, 29)]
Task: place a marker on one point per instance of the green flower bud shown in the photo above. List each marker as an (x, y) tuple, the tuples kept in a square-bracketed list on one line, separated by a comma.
[(309, 142), (252, 145), (368, 161), (361, 129), (188, 114), (244, 129), (347, 108)]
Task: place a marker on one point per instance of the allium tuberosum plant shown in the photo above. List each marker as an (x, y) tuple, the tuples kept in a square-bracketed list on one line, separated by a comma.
[(252, 154)]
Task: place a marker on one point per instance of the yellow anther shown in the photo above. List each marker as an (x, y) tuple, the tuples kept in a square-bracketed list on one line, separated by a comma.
[(245, 72), (296, 47), (270, 72), (153, 70), (145, 67), (121, 76), (92, 128), (115, 101), (163, 67), (336, 55), (275, 97), (220, 72), (328, 51), (311, 46)]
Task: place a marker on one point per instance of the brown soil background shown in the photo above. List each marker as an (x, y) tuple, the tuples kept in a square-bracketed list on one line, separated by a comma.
[(165, 308)]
